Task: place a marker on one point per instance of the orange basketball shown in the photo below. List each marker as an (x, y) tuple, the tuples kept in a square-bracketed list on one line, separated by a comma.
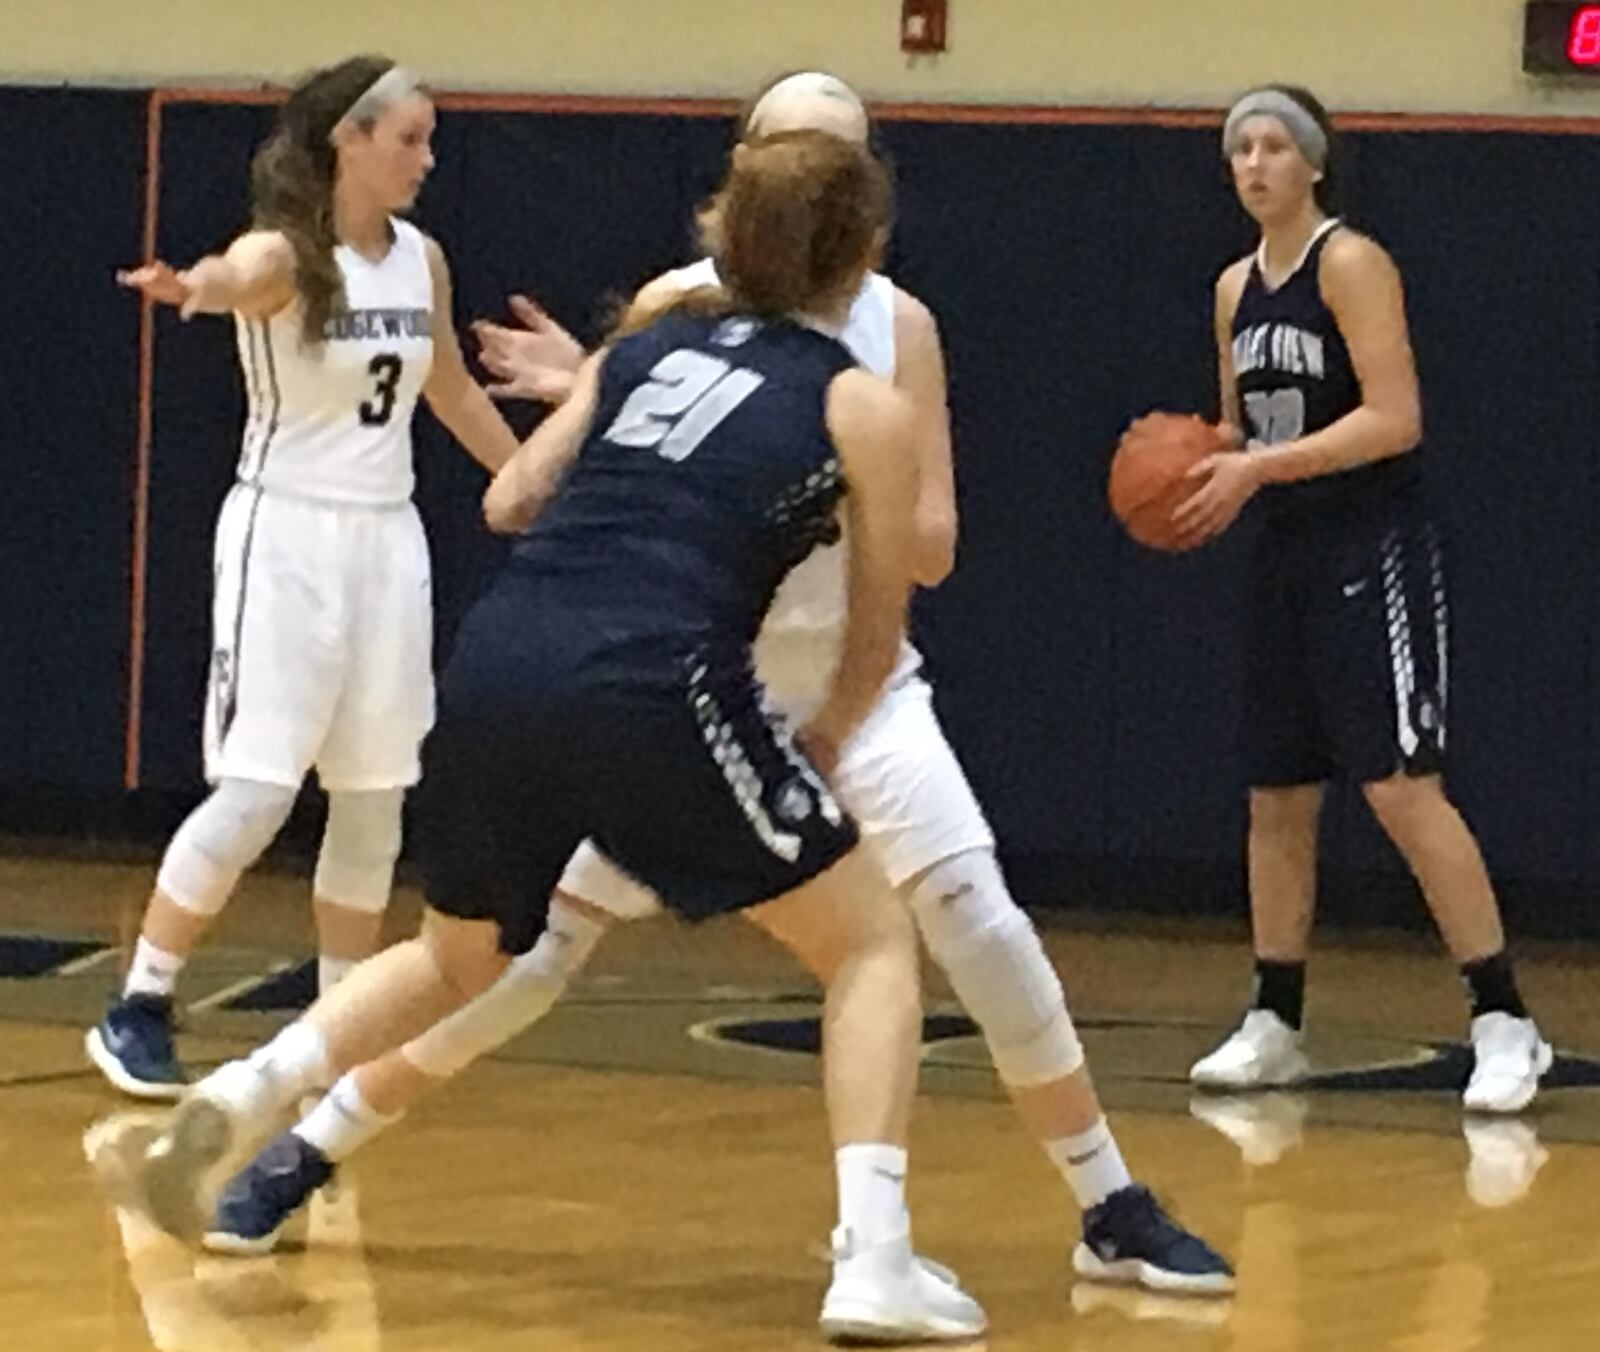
[(1147, 473)]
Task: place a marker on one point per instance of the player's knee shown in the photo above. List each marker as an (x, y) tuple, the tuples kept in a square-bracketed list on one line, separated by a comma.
[(466, 954), (996, 964), (221, 838), (1402, 802), (519, 993), (355, 867)]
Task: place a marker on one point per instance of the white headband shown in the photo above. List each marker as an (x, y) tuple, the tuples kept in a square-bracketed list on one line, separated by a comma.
[(1310, 137), (808, 83), (394, 84)]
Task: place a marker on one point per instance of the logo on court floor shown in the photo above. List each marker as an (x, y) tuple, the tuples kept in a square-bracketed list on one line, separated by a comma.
[(1393, 1066)]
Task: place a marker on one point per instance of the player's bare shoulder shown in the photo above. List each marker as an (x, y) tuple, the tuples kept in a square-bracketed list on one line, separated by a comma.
[(1231, 283), (1351, 259), (912, 316)]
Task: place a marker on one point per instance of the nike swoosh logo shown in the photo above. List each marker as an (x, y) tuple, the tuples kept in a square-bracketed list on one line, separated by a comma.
[(1078, 1160), (892, 1177)]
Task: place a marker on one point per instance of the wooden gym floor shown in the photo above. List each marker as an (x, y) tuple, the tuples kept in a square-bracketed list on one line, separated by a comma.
[(649, 1169)]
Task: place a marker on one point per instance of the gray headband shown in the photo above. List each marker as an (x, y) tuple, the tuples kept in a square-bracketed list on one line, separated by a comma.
[(1310, 137), (394, 84)]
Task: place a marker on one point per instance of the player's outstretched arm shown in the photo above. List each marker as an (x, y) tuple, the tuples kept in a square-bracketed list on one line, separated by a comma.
[(254, 277)]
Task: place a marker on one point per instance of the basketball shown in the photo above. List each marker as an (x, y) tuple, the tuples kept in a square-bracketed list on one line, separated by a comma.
[(1147, 474)]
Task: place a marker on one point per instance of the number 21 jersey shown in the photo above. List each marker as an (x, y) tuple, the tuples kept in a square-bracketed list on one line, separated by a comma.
[(707, 475), (1295, 377), (332, 420)]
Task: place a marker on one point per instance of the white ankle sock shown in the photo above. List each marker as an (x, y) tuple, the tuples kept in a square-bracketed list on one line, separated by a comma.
[(331, 971), (872, 1192), (1091, 1164), (153, 971), (342, 1122)]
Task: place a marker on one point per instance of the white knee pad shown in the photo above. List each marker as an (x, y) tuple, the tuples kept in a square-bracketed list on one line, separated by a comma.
[(355, 866), (991, 953), (524, 994), (219, 840)]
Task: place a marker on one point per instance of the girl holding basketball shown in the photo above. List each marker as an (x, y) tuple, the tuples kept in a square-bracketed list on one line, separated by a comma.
[(1347, 655)]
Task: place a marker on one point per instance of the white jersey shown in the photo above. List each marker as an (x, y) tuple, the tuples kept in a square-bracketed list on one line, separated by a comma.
[(332, 420), (799, 644)]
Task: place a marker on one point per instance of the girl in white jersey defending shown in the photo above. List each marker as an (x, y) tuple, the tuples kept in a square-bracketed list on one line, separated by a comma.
[(322, 614), (918, 817)]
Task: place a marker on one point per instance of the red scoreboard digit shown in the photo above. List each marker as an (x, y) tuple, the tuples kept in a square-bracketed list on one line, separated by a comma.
[(1560, 37)]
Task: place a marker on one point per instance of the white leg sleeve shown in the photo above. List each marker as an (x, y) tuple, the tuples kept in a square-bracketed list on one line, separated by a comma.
[(524, 994), (992, 955), (355, 866), (219, 840)]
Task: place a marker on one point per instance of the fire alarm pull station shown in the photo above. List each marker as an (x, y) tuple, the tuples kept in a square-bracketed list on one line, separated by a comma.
[(923, 24)]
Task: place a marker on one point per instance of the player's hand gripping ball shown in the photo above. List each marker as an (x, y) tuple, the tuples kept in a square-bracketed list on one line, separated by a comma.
[(1148, 475)]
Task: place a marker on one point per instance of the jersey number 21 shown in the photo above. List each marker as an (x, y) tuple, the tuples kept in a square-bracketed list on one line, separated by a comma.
[(685, 399)]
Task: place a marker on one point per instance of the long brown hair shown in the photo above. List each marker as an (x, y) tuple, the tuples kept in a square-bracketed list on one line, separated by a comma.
[(799, 217), (292, 179)]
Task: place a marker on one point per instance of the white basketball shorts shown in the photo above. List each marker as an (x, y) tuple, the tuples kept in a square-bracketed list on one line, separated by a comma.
[(322, 643)]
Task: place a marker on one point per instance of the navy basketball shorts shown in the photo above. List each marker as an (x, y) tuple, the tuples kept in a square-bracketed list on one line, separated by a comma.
[(1348, 659), (682, 777)]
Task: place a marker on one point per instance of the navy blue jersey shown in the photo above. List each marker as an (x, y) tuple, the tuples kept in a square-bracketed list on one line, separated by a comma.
[(707, 474), (1295, 377)]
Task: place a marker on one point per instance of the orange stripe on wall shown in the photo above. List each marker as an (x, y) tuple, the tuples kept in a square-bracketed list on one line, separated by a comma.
[(972, 113), (138, 563)]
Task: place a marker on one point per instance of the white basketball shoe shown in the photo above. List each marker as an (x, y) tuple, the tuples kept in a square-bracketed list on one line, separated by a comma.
[(1263, 1050), (884, 1293), (1510, 1059)]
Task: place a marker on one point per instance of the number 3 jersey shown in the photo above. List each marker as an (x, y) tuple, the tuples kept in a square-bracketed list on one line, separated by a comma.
[(332, 420), (1295, 377), (707, 474)]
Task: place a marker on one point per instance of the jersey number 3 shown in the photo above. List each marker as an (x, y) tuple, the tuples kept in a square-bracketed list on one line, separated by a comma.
[(684, 401), (385, 368)]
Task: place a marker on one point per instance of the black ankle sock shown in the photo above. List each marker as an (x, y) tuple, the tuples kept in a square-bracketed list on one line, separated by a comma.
[(1281, 987), (1492, 986)]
